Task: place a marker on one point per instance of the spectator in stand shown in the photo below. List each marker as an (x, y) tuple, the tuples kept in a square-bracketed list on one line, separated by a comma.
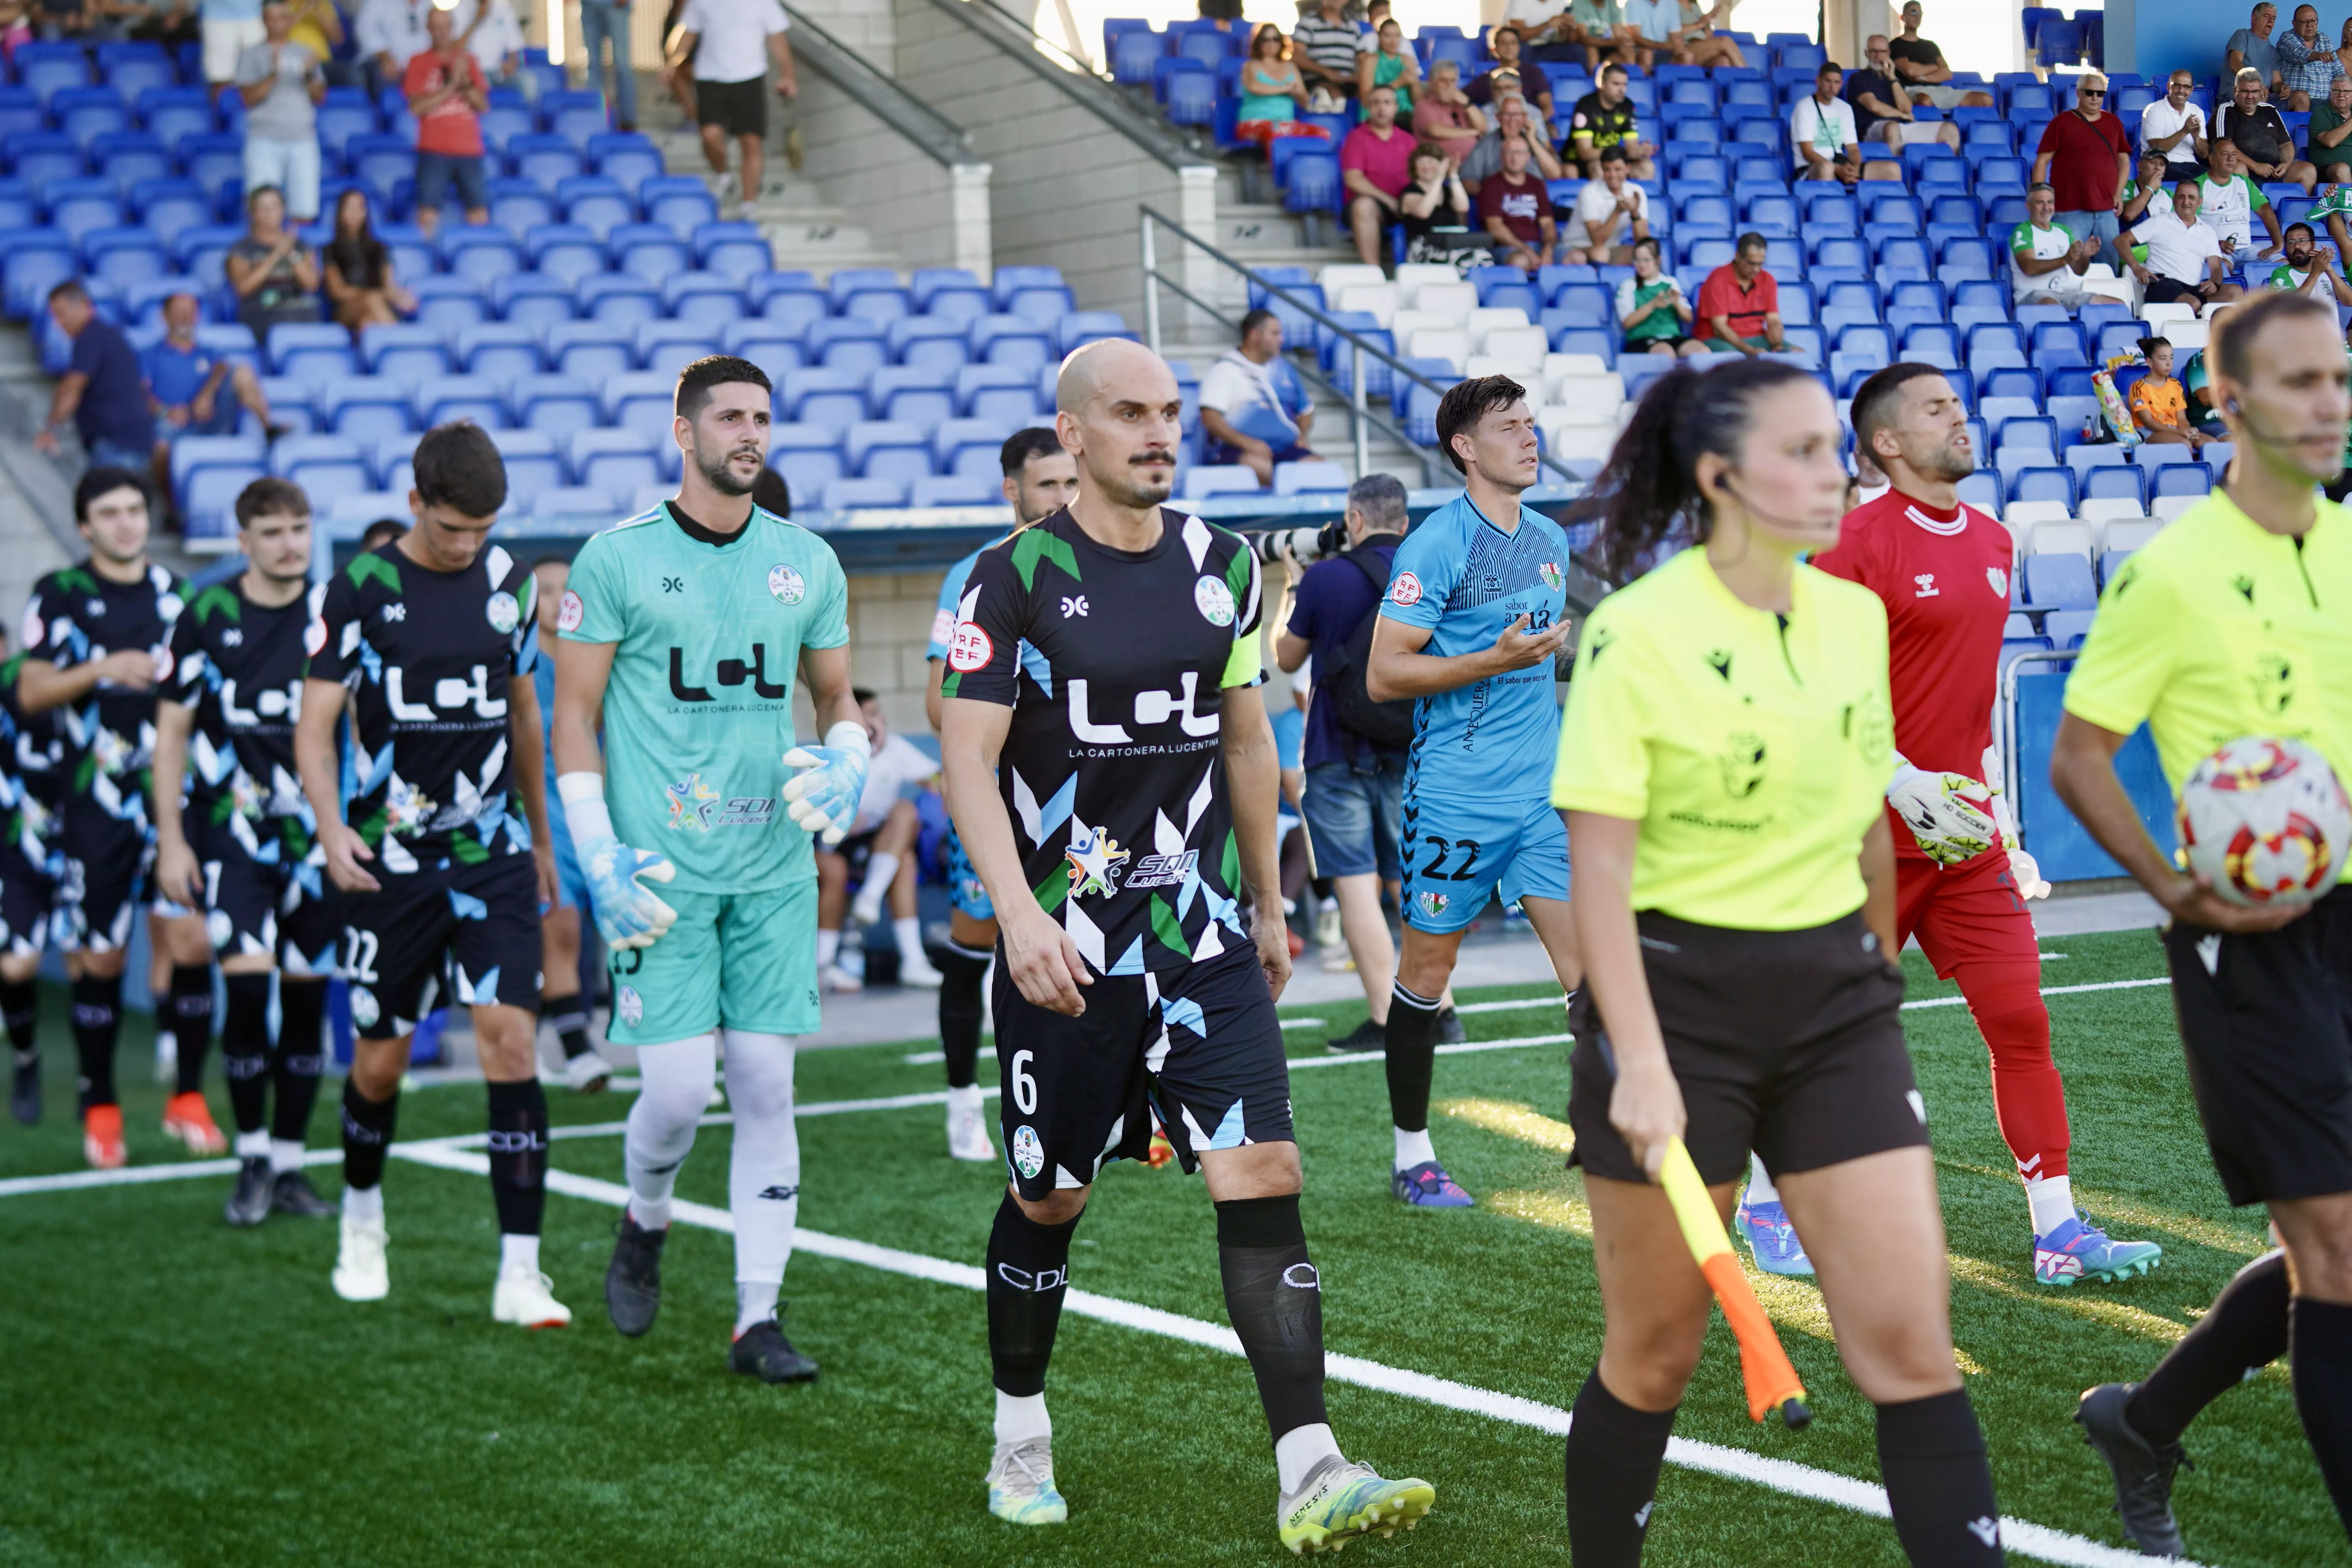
[(2160, 409), (1651, 309), (1696, 42), (1512, 74), (2261, 135), (1512, 123), (2046, 263), (2175, 128), (230, 27), (1920, 66), (2308, 267), (447, 93), (1821, 130), (2085, 158), (1739, 304), (2250, 48), (1390, 65), (1610, 215), (2147, 191), (1435, 213), (2307, 64), (1323, 46), (2230, 202), (1375, 165), (1273, 88), (282, 84), (317, 26), (731, 43), (1254, 411), (2182, 257), (2330, 131), (1882, 112), (361, 284), (605, 23), (1571, 32), (273, 275), (1515, 210), (1604, 117), (183, 388), (102, 391), (492, 34), (1445, 114), (391, 33)]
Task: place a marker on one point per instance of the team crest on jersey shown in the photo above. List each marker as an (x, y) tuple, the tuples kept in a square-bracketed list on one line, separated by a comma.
[(1742, 760), (942, 625), (364, 1011), (969, 649), (1214, 601), (1552, 576), (406, 809), (1405, 590), (1433, 904), (1028, 1152), (786, 584), (503, 612), (1997, 578), (692, 802), (569, 611), (632, 1006), (1094, 863)]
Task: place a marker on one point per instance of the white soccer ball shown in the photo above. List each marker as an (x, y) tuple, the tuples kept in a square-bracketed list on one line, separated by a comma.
[(2266, 821)]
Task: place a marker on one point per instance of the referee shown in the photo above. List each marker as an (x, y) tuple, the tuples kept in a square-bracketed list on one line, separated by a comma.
[(1723, 762), (2263, 571)]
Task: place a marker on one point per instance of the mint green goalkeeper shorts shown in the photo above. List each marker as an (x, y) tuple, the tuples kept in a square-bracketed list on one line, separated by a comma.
[(743, 960)]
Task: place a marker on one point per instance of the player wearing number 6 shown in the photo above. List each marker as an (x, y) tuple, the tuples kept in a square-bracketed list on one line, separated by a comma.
[(682, 629)]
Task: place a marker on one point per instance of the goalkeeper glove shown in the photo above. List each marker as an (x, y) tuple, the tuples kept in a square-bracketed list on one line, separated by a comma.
[(1950, 815), (824, 796), (628, 912), (2022, 866)]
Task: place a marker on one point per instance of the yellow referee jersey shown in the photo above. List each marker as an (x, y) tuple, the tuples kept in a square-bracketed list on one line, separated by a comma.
[(2218, 628), (1754, 751)]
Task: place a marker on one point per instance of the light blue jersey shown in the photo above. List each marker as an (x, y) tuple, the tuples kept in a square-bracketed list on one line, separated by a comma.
[(1466, 580)]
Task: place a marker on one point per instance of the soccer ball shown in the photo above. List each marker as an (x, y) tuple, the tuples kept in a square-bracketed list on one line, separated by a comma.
[(2266, 822)]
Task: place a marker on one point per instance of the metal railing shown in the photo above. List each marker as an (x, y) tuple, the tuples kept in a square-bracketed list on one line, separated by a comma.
[(2011, 781), (944, 141), (1074, 78)]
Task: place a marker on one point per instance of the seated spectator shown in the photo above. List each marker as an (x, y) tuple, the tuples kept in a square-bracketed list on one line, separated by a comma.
[(2307, 64), (184, 381), (2087, 157), (2046, 263), (1435, 209), (1610, 215), (1510, 74), (1551, 30), (2176, 258), (447, 94), (102, 391), (1254, 411), (1515, 210), (2309, 267), (1821, 130), (1739, 304), (1651, 309), (1919, 66), (273, 273), (2160, 409), (2175, 128), (2261, 137), (1696, 43), (1323, 46), (2330, 131), (1512, 123), (1603, 26), (1375, 164), (2140, 195), (1604, 117), (883, 837), (361, 283), (1274, 92), (282, 84), (493, 34), (1445, 114), (1390, 64), (1882, 112), (2229, 203), (2250, 48)]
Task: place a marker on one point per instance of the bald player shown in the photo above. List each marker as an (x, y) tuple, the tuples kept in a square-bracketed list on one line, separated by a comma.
[(1118, 811)]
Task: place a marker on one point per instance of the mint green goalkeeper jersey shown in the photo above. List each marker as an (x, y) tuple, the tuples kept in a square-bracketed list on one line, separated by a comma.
[(698, 710)]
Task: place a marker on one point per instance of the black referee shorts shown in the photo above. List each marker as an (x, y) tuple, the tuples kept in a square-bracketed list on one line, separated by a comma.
[(735, 108), (1786, 1042), (2266, 1022)]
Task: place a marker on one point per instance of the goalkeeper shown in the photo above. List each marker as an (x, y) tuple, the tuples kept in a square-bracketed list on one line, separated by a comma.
[(683, 628), (1961, 882)]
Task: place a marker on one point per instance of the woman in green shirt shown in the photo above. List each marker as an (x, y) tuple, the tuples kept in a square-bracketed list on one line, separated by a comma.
[(1651, 310), (1390, 65)]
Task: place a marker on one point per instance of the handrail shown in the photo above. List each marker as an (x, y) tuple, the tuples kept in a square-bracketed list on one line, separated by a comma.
[(1075, 78), (2010, 781), (931, 132)]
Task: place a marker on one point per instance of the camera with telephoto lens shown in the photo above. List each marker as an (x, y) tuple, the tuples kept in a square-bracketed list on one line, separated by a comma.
[(1301, 544)]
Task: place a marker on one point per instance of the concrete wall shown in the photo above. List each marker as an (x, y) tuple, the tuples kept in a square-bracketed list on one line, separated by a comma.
[(889, 627), (930, 214)]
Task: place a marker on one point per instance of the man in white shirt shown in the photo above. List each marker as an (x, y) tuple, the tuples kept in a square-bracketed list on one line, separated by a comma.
[(391, 33), (2046, 262), (886, 828), (1610, 214), (2230, 202), (2175, 128), (2176, 258), (731, 43), (493, 36), (1253, 409), (1821, 130)]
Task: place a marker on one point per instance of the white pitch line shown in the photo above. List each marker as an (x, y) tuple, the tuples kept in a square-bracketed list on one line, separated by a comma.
[(1554, 1001)]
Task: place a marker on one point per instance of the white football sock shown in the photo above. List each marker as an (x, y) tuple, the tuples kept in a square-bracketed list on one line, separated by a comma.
[(285, 1155), (253, 1145), (2051, 1199), (1761, 1189), (1412, 1148), (880, 867), (966, 1099), (1297, 1451), (910, 932), (828, 946), (755, 1303), (364, 1204), (518, 1252), (1021, 1417), (676, 1081), (764, 1180)]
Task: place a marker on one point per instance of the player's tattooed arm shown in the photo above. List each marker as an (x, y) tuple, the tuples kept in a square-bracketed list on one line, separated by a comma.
[(1398, 668), (318, 758), (175, 863), (1045, 963), (1254, 775)]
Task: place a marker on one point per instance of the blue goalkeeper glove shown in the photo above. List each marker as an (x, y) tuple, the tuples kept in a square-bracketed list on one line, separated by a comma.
[(628, 914), (824, 796)]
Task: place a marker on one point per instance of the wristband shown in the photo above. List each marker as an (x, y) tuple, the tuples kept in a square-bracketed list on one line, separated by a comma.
[(582, 795), (849, 735)]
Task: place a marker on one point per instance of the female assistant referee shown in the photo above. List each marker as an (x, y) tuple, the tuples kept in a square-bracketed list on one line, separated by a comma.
[(1723, 763)]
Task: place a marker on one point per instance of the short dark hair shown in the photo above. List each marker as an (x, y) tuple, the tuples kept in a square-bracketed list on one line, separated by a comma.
[(104, 479), (862, 696), (381, 533), (71, 288), (1613, 153), (1510, 28), (1751, 241), (258, 192), (770, 493), (695, 381), (1029, 441), (458, 465), (1467, 402), (1253, 319), (2230, 351), (1611, 68), (1826, 67), (271, 496), (1650, 243), (2304, 227), (1874, 399), (550, 558)]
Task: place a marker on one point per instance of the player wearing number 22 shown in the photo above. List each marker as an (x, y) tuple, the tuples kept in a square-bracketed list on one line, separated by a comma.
[(1118, 804)]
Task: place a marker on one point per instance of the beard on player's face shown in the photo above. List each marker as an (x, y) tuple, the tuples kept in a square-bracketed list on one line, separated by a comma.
[(1941, 459), (1126, 483), (718, 469)]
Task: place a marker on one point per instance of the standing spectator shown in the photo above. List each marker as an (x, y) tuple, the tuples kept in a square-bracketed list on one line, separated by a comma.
[(1882, 112), (2046, 263), (185, 381), (1435, 213), (1651, 309), (2229, 202), (1512, 123), (2261, 135), (2183, 256), (282, 83), (2086, 157), (1611, 216), (102, 391), (2175, 128), (1515, 210), (1375, 165), (2331, 134), (317, 26), (1920, 66), (1513, 73), (1821, 130), (391, 33), (1444, 113), (447, 93), (2307, 65), (731, 43), (1354, 802), (605, 23), (2250, 48), (1604, 117), (1323, 46), (492, 34), (1253, 409), (273, 275), (1739, 304), (230, 27), (1389, 64), (361, 284), (1274, 90)]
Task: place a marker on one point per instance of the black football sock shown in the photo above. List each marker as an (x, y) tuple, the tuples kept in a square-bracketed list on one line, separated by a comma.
[(1411, 1038), (1931, 1454), (2321, 1351), (568, 1015), (20, 1011), (518, 1155), (1028, 1274), (301, 1057), (1614, 1454), (97, 1017), (191, 1003), (1276, 1301), (245, 1050), (2244, 1329), (367, 1134), (960, 1012)]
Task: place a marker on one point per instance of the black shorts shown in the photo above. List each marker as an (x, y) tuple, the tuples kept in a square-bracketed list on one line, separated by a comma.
[(737, 108), (2266, 1021), (257, 908), (103, 877), (27, 895), (1786, 1042), (2171, 291), (470, 930), (1199, 1045)]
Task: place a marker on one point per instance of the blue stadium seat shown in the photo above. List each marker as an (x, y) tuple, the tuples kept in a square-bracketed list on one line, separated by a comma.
[(1012, 280), (2192, 479), (652, 251), (792, 302), (679, 201), (542, 158), (122, 257), (595, 204), (1202, 480), (844, 495), (368, 409), (807, 456), (478, 398), (48, 70), (315, 352), (737, 249), (171, 113), (502, 123), (557, 406), (707, 299), (912, 394), (380, 159), (626, 157), (929, 343), (2045, 483), (574, 500), (889, 449), (823, 395), (324, 465), (576, 116), (668, 347), (519, 205), (643, 401), (409, 353), (618, 298), (563, 251), (346, 112), (532, 458), (971, 446), (482, 255), (1133, 55), (954, 490), (1012, 339), (2114, 481), (773, 346), (1004, 392), (846, 343), (531, 298), (2059, 581), (128, 158), (1082, 327), (590, 350), (618, 461)]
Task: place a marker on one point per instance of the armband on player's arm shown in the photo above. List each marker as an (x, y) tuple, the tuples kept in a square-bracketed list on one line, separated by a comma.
[(1949, 814), (2022, 866), (824, 796), (628, 912)]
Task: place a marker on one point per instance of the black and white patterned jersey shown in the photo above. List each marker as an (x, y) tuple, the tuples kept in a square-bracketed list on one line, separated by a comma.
[(32, 770), (76, 616), (238, 667)]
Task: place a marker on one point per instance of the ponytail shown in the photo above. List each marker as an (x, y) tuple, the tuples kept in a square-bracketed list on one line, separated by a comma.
[(1648, 490)]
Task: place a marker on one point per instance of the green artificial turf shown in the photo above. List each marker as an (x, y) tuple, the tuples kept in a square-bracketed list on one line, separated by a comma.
[(178, 1393)]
